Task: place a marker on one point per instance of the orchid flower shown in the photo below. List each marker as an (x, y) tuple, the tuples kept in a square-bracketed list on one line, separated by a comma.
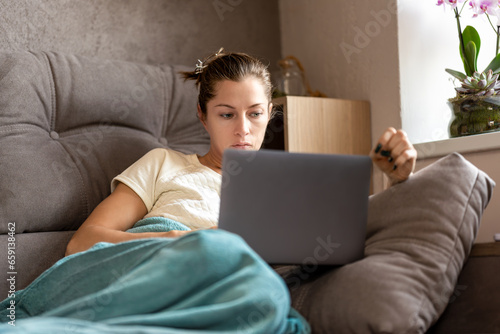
[(470, 42), (484, 6), (497, 14), (452, 3)]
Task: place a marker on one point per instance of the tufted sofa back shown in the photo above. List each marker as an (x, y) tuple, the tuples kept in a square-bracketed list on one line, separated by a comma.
[(69, 124)]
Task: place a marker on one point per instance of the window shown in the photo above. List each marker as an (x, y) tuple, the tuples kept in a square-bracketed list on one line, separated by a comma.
[(428, 43)]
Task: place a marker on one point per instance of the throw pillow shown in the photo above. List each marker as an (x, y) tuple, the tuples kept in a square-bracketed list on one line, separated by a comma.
[(419, 235)]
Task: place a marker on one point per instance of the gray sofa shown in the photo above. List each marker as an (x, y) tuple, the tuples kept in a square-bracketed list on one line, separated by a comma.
[(69, 124)]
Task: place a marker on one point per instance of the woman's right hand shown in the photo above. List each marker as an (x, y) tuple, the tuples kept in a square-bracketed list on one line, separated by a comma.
[(180, 233), (175, 233)]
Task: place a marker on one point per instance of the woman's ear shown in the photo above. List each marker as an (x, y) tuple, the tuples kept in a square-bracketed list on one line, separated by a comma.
[(270, 110), (201, 117)]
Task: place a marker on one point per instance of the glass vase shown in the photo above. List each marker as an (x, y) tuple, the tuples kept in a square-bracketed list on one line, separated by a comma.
[(290, 80), (474, 115)]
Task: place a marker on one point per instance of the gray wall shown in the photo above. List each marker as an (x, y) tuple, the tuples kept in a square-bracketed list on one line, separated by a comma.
[(151, 31)]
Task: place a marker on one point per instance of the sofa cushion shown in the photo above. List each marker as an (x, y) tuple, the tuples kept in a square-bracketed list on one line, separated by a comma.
[(69, 124), (419, 235)]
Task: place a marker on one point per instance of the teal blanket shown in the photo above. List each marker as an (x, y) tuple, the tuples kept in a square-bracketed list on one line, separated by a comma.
[(206, 281), (157, 224)]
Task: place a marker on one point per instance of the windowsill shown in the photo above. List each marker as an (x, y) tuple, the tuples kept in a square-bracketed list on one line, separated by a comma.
[(474, 143)]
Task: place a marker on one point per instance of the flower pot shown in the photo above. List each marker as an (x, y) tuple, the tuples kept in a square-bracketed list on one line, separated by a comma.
[(474, 115)]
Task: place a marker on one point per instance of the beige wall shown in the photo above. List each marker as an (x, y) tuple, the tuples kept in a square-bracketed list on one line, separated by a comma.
[(350, 50), (152, 31)]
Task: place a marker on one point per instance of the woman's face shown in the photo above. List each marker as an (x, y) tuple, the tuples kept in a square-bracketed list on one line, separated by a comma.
[(237, 116)]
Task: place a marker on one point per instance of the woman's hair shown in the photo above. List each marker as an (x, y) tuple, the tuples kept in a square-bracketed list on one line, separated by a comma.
[(226, 66)]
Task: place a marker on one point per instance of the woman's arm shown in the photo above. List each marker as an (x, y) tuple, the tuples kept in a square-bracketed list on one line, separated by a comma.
[(111, 218)]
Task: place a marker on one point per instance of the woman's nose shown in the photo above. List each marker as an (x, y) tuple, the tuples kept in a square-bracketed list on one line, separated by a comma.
[(243, 127)]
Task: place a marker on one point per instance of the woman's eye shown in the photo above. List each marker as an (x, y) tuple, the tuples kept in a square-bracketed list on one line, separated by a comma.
[(227, 116), (257, 114)]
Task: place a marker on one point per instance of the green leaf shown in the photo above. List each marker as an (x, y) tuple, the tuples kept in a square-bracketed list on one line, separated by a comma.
[(470, 34), (469, 69), (459, 75), (494, 65), (471, 56)]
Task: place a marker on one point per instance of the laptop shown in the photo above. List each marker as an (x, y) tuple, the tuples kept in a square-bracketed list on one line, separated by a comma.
[(297, 208)]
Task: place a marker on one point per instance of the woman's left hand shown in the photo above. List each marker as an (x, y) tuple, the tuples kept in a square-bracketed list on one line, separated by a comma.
[(394, 155)]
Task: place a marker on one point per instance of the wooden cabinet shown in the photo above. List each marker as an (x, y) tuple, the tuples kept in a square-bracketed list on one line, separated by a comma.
[(320, 125)]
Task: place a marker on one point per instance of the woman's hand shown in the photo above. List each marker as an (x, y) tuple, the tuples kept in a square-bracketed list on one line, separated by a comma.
[(174, 233), (394, 155), (180, 233)]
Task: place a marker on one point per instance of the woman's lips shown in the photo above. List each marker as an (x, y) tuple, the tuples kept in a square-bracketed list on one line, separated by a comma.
[(242, 146)]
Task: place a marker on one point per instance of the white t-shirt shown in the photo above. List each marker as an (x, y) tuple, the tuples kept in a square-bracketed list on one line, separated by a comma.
[(175, 185)]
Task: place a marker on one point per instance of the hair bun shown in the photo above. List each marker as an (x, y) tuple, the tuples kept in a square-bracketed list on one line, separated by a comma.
[(201, 65)]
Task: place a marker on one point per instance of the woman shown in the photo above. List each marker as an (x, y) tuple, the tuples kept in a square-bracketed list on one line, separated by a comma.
[(119, 280), (234, 106)]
